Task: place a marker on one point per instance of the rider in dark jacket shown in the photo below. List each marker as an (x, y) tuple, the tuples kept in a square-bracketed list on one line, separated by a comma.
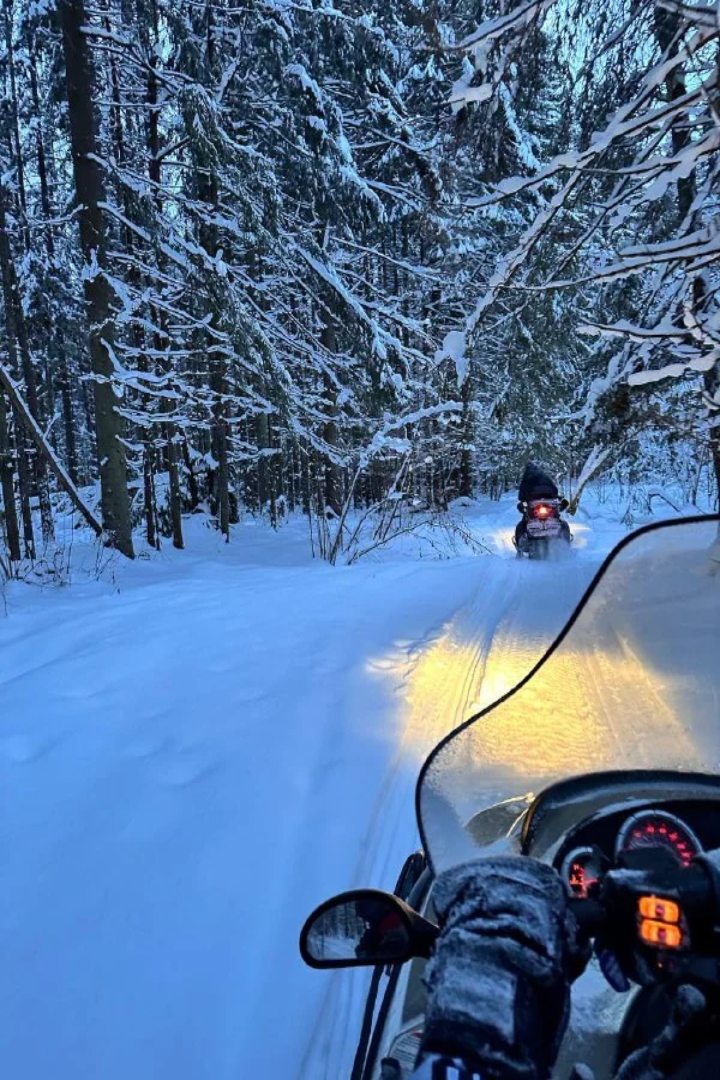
[(535, 484)]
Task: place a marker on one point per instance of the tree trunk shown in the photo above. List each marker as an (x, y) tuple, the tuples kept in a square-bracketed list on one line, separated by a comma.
[(262, 440), (305, 483), (175, 495), (192, 480), (712, 385), (16, 325), (54, 336), (24, 489), (290, 480), (135, 279), (40, 145), (149, 497), (90, 194), (17, 142), (54, 332), (154, 173), (17, 340), (333, 473), (68, 415), (668, 25), (275, 473), (466, 434), (222, 474), (7, 482)]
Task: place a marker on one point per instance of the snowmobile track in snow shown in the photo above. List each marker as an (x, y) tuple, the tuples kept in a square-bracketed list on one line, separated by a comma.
[(513, 612)]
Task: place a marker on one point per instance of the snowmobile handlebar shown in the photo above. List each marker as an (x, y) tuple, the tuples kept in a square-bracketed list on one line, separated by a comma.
[(695, 889), (656, 917)]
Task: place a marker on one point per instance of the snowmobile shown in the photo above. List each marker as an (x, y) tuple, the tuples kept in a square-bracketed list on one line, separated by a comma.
[(616, 783), (541, 530)]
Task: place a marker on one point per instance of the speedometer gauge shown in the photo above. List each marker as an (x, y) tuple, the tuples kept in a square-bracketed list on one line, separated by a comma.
[(655, 828)]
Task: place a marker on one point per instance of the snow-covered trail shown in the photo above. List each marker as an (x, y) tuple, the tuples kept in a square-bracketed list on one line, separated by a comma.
[(630, 687), (508, 620), (194, 757)]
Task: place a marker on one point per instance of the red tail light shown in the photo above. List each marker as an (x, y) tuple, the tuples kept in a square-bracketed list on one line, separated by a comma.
[(542, 511)]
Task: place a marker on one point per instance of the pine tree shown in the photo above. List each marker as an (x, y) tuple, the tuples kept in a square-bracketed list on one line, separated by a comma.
[(90, 193)]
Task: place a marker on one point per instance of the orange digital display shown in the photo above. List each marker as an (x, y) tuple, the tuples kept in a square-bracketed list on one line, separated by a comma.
[(661, 934), (657, 907)]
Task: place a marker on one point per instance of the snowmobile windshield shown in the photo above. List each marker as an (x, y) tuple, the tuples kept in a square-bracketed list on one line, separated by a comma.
[(632, 682)]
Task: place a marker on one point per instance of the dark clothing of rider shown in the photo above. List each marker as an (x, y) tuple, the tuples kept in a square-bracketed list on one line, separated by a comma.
[(535, 484)]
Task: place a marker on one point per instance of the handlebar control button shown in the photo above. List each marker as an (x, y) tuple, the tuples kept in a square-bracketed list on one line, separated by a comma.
[(661, 934), (660, 908)]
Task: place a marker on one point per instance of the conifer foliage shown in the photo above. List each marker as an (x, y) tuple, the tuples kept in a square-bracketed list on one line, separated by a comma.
[(626, 227), (239, 243)]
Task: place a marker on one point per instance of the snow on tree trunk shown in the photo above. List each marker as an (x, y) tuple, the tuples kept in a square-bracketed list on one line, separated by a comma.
[(7, 481), (90, 194)]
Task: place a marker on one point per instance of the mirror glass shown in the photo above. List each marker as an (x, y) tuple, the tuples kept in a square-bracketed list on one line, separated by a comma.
[(368, 928)]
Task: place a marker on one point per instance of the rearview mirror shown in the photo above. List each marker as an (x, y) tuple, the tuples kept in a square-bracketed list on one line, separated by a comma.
[(564, 504), (363, 928), (521, 508)]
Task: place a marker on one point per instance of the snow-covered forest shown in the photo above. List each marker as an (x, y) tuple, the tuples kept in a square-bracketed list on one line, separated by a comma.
[(291, 292), (297, 255)]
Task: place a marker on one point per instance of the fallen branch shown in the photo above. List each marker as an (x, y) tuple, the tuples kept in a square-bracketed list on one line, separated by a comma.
[(47, 452)]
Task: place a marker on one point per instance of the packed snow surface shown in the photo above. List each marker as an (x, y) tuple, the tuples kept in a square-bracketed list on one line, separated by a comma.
[(633, 685), (196, 749)]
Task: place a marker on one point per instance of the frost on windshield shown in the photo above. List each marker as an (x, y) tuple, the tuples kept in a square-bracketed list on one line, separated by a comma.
[(634, 684)]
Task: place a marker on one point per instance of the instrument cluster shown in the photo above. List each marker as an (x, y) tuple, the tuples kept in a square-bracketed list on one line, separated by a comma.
[(597, 845)]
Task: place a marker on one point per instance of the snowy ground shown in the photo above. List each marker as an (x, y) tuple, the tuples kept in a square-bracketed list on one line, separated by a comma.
[(195, 753)]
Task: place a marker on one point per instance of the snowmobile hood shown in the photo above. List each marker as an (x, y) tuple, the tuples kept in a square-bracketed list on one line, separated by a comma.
[(631, 682)]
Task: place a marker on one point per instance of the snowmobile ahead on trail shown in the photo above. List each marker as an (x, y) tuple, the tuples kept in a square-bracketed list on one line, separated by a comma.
[(603, 764), (541, 528)]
